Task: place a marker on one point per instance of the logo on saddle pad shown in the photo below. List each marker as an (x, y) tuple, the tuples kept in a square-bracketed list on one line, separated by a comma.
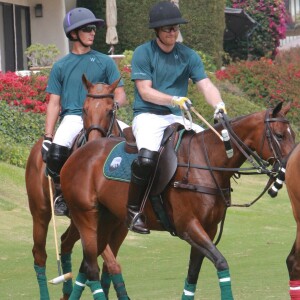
[(116, 162), (118, 167)]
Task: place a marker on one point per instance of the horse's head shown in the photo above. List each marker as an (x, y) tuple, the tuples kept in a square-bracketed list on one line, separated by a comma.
[(277, 139), (99, 109)]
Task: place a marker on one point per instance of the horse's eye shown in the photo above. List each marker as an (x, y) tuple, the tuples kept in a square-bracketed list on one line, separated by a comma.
[(279, 136)]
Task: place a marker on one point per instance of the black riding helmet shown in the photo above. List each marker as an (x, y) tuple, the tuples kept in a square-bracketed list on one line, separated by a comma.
[(79, 17), (165, 13)]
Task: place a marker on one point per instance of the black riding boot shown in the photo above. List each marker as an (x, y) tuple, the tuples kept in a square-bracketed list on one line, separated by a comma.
[(56, 158), (141, 171)]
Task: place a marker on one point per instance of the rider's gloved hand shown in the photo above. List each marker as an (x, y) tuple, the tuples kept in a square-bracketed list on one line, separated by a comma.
[(181, 102), (219, 107), (45, 147)]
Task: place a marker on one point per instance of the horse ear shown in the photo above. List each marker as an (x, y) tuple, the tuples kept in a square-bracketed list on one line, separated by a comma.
[(286, 108), (114, 85), (277, 109), (87, 84)]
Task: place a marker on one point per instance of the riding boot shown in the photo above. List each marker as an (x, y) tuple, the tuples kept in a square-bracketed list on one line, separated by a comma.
[(141, 170), (135, 219), (60, 206), (56, 158)]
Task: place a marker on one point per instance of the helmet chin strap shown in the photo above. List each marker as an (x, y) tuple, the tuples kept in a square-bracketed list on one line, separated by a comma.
[(157, 35), (80, 41)]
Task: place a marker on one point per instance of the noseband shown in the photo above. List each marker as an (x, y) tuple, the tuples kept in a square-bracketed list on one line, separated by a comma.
[(269, 134), (272, 142), (104, 132)]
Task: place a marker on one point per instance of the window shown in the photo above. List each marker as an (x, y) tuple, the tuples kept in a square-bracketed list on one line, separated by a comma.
[(14, 36)]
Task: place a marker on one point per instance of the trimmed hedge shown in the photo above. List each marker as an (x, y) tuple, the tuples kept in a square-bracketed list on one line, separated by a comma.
[(18, 132), (204, 32)]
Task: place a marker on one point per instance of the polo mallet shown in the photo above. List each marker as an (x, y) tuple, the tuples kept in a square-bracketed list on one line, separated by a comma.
[(224, 137), (61, 277)]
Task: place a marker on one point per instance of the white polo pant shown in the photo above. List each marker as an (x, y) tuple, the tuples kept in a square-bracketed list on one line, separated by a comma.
[(70, 127), (148, 129), (68, 130)]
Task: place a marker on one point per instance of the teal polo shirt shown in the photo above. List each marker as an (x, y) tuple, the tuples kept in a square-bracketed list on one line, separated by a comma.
[(169, 72), (66, 78)]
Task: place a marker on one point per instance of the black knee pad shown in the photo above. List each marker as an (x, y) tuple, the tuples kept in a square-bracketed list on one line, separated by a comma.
[(143, 166), (56, 158)]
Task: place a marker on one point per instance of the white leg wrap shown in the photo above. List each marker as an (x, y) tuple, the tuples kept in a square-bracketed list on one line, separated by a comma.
[(79, 283), (97, 291), (188, 293), (226, 279)]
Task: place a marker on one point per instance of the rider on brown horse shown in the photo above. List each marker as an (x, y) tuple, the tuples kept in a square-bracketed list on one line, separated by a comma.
[(67, 93), (161, 70)]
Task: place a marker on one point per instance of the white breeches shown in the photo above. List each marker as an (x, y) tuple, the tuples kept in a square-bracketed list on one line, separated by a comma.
[(69, 128), (148, 129)]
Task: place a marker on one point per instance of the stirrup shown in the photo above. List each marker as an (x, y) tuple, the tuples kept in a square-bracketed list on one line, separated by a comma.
[(133, 224), (60, 207)]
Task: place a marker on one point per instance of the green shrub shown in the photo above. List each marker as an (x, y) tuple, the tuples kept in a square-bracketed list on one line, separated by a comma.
[(19, 127), (41, 55), (208, 61), (18, 132), (13, 153), (267, 82)]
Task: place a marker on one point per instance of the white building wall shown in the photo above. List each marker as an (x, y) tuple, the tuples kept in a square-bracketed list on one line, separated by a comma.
[(49, 28)]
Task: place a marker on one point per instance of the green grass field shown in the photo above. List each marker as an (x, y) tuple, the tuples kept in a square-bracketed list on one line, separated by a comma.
[(256, 242)]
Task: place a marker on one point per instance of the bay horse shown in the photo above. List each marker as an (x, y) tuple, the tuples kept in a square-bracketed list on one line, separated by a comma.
[(195, 198), (292, 180), (99, 115)]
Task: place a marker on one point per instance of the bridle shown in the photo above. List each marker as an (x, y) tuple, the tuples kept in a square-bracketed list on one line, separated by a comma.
[(273, 143), (103, 131), (271, 137)]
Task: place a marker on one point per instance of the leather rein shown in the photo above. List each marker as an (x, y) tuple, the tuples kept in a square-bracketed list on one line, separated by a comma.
[(259, 166), (103, 131)]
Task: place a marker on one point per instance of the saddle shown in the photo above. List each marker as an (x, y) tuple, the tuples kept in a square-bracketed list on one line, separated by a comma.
[(167, 161)]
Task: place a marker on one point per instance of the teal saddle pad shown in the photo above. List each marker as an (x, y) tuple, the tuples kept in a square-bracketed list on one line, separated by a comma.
[(118, 167), (118, 164)]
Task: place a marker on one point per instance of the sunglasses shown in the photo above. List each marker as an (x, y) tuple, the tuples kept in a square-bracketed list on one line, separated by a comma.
[(88, 28), (175, 28)]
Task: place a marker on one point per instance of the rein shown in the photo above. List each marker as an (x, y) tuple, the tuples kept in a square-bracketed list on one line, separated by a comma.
[(259, 165), (104, 132)]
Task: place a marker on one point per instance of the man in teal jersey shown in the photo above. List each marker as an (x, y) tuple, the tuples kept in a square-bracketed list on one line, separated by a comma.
[(67, 93), (161, 70)]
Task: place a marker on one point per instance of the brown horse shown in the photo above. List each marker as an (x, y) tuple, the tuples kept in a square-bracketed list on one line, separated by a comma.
[(195, 199), (292, 180), (99, 113)]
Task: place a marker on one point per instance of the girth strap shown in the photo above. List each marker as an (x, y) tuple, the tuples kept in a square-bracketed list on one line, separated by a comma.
[(201, 189)]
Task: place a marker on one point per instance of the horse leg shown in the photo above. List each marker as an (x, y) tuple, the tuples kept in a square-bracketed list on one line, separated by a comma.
[(111, 270), (68, 240), (40, 229), (293, 265), (196, 260), (293, 259), (87, 224), (196, 236)]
